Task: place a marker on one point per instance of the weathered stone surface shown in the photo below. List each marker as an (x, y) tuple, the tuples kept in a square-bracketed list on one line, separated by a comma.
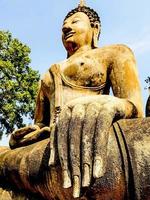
[(70, 92), (127, 176)]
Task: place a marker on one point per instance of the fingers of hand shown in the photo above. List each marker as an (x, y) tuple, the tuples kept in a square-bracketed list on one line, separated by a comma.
[(30, 138), (46, 128), (12, 142), (78, 130), (63, 126), (75, 130), (20, 133), (104, 122), (39, 134), (87, 142)]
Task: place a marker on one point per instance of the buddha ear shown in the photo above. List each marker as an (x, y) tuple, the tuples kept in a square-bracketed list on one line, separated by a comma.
[(96, 31)]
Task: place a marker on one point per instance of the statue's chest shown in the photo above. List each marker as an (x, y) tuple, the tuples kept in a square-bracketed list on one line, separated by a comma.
[(84, 71)]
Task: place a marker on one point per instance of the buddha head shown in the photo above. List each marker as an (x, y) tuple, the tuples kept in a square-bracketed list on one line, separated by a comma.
[(81, 27)]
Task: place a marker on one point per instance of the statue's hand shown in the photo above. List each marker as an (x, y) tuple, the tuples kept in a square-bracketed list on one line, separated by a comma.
[(82, 137), (28, 135)]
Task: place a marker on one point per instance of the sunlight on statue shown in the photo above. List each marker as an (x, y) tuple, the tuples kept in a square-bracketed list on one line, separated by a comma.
[(73, 105)]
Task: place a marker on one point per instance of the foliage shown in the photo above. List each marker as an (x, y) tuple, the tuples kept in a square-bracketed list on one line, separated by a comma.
[(18, 83)]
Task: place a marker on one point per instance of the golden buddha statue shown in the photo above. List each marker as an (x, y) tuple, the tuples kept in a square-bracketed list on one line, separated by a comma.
[(74, 107)]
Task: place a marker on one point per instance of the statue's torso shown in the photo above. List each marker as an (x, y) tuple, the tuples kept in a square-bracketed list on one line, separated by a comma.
[(85, 73), (86, 70)]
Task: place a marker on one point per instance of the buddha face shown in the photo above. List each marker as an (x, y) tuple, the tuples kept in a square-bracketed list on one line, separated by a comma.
[(77, 32)]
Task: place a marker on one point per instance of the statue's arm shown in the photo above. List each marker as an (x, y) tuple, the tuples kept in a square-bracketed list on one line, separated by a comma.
[(42, 109), (125, 81), (40, 130)]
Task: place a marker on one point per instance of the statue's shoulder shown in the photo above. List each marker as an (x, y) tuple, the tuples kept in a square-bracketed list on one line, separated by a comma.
[(47, 79), (116, 49)]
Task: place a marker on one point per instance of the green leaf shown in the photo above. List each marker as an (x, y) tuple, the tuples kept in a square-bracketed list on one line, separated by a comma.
[(18, 83)]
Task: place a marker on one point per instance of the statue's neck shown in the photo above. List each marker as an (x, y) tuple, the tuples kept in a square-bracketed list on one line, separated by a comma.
[(78, 50)]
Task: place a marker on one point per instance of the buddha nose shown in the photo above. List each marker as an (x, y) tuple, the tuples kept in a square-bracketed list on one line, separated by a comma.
[(66, 29)]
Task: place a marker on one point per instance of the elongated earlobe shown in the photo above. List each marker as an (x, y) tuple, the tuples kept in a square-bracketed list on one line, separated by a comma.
[(96, 31)]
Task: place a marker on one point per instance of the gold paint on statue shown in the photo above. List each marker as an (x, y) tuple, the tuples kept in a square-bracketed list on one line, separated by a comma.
[(74, 97)]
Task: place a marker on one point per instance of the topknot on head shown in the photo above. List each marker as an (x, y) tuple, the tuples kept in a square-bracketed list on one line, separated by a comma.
[(82, 3)]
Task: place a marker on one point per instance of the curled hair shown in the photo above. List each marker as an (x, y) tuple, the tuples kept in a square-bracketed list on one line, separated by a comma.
[(92, 15)]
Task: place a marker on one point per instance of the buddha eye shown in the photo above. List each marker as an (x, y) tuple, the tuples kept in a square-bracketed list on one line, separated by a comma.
[(75, 21)]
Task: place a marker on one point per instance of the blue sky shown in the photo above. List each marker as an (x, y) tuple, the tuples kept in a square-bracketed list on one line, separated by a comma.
[(38, 24)]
